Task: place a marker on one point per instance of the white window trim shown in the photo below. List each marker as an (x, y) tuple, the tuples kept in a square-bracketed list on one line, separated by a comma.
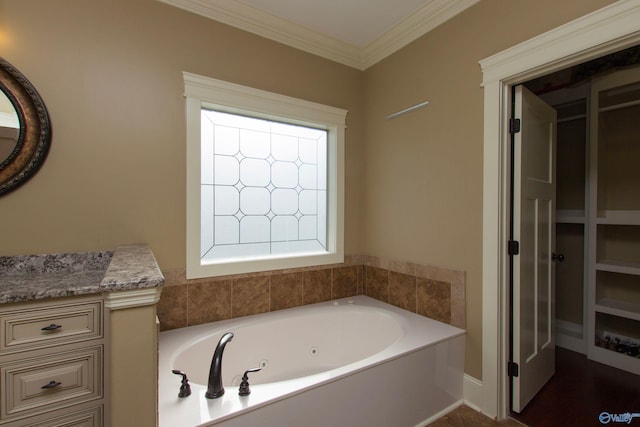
[(233, 98)]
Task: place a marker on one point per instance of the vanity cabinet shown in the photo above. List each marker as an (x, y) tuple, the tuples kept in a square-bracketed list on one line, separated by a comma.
[(52, 362), (78, 339)]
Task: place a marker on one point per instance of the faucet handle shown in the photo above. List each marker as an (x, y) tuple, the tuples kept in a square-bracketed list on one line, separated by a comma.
[(185, 387), (244, 385)]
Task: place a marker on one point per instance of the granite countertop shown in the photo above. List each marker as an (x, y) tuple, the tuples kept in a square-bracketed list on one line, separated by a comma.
[(34, 277)]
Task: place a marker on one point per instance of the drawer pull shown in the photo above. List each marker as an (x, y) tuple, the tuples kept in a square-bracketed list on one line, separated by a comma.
[(52, 384), (51, 327)]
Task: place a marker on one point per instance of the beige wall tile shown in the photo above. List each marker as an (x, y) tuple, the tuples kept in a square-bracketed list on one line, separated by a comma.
[(286, 291), (361, 279), (441, 274), (316, 286), (418, 288), (377, 283), (172, 307), (458, 300), (209, 301), (402, 290), (345, 282), (375, 261), (174, 277), (353, 260), (434, 299), (250, 295), (402, 267)]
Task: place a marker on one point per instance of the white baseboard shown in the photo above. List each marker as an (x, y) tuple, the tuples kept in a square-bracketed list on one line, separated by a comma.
[(472, 392), (570, 335)]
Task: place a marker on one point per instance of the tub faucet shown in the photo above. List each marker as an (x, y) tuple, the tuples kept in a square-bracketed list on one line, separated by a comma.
[(214, 387)]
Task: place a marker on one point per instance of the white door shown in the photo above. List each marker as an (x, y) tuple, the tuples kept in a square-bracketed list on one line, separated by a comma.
[(534, 229)]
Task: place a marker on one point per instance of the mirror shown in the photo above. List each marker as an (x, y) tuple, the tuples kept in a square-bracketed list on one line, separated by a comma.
[(25, 129), (9, 127)]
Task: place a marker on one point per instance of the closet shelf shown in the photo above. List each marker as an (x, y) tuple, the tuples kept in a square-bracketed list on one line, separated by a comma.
[(619, 267), (572, 118), (619, 360), (570, 216), (618, 308), (618, 217)]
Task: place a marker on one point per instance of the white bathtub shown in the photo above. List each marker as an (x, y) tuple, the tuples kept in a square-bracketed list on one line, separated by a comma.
[(352, 362)]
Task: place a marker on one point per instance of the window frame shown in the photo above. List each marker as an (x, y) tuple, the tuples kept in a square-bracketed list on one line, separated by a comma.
[(233, 98)]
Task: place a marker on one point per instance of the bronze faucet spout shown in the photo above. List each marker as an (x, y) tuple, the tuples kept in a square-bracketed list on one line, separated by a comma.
[(214, 387)]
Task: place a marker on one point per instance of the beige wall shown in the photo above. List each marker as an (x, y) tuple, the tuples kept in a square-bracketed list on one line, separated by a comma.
[(423, 173), (110, 74)]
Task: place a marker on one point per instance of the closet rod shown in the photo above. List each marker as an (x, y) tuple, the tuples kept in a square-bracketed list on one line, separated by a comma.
[(619, 106), (572, 118)]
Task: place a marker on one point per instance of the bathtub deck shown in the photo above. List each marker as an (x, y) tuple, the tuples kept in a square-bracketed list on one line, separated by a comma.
[(416, 377)]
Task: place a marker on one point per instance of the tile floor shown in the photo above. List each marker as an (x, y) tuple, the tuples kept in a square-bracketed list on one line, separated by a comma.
[(463, 416)]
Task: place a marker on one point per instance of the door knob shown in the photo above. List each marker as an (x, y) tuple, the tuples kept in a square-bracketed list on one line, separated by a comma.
[(558, 257)]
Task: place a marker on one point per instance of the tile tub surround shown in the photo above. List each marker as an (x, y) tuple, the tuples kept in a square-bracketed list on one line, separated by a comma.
[(35, 277), (435, 292)]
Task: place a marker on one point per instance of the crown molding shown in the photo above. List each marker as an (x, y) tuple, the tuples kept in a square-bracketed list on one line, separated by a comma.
[(263, 24), (420, 23), (247, 18)]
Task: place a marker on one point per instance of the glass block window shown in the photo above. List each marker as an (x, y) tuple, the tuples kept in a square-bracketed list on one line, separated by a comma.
[(265, 180), (263, 187)]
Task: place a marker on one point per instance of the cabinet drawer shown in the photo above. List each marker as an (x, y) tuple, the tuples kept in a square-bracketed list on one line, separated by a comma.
[(88, 418), (50, 382), (44, 327), (91, 417)]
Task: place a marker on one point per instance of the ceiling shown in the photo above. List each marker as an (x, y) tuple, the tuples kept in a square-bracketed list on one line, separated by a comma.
[(357, 33)]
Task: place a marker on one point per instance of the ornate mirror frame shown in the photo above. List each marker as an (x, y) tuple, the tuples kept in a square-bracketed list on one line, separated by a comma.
[(34, 138)]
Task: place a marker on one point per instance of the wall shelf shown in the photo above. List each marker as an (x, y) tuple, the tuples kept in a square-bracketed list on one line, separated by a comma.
[(612, 358), (618, 308), (618, 267), (570, 217), (619, 217), (614, 225)]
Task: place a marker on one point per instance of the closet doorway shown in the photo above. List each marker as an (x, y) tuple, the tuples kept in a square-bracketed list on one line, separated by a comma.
[(610, 29), (597, 237)]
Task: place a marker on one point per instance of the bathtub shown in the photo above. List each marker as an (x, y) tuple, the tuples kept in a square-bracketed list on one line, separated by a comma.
[(350, 362)]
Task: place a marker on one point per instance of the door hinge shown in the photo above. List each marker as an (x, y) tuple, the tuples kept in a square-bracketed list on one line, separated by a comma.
[(513, 247), (514, 126), (512, 369)]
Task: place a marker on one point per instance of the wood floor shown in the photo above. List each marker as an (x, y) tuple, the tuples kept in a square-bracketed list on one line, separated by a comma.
[(580, 391)]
